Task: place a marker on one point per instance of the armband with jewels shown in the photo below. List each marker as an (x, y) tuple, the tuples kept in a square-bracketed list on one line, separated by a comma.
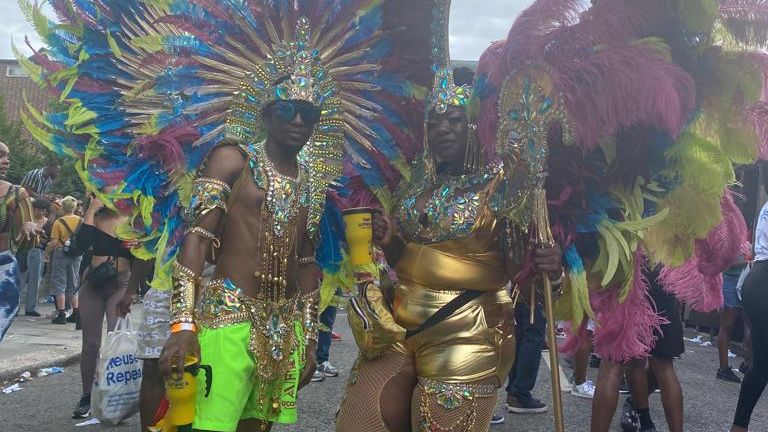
[(185, 284), (208, 194), (310, 315)]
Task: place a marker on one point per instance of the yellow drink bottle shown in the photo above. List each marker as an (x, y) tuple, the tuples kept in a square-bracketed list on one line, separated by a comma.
[(181, 392), (359, 232)]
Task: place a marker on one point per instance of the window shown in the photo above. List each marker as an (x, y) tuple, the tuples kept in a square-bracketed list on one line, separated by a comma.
[(15, 71)]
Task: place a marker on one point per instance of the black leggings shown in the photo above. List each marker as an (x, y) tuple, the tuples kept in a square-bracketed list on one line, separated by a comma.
[(755, 301)]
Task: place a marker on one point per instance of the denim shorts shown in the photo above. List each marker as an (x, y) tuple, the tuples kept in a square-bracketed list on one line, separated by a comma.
[(730, 297)]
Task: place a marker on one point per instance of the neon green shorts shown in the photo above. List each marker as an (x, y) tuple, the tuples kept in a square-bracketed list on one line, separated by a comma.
[(236, 393)]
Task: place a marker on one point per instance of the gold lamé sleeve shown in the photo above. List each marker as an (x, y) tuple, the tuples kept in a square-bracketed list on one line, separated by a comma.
[(185, 285), (208, 194)]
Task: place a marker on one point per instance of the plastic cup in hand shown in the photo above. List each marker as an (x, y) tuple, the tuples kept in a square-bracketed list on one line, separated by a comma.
[(359, 231)]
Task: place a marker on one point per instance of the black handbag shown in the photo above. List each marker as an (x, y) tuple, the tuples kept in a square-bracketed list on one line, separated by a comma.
[(103, 274)]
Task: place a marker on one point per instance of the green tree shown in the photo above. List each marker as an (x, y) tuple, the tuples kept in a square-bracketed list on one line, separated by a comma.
[(26, 156)]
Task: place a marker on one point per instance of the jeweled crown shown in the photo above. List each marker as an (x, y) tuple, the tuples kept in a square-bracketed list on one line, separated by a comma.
[(446, 93), (307, 79)]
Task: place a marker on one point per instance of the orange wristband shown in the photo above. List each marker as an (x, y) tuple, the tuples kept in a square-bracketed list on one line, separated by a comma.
[(182, 326)]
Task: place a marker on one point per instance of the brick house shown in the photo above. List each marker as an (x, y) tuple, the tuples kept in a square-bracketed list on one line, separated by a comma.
[(14, 84)]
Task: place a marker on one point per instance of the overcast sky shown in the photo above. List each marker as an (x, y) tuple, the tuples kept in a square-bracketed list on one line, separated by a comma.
[(490, 21)]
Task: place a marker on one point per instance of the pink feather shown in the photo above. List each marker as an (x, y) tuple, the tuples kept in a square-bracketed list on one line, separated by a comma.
[(621, 86), (536, 25), (165, 147), (625, 330), (698, 282)]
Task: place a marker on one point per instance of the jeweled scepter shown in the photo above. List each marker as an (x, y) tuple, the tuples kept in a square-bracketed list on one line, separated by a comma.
[(543, 237)]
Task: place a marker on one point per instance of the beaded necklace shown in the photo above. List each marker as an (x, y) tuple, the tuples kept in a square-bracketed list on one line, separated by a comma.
[(278, 214)]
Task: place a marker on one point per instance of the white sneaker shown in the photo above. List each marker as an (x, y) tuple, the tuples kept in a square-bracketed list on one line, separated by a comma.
[(327, 369), (318, 376), (585, 390)]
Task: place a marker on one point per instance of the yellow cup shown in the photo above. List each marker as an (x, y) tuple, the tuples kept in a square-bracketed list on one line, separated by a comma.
[(359, 231), (181, 392)]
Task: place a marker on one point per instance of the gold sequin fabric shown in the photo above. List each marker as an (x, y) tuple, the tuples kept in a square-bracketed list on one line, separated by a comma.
[(453, 209)]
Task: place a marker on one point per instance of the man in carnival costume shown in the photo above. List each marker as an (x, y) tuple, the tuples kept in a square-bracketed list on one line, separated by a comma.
[(257, 101)]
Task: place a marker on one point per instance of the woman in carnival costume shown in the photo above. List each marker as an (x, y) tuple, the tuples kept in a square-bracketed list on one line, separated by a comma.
[(611, 109), (222, 124)]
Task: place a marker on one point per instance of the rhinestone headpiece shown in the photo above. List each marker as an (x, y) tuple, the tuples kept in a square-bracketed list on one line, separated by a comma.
[(293, 71), (307, 80), (446, 93)]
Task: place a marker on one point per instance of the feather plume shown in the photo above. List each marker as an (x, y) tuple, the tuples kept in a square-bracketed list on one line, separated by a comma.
[(746, 20), (625, 330), (698, 282)]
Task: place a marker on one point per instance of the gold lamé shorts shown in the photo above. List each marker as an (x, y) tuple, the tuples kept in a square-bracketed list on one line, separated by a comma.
[(475, 343)]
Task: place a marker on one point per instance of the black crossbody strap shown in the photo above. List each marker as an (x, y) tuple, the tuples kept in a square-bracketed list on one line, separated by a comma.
[(446, 311)]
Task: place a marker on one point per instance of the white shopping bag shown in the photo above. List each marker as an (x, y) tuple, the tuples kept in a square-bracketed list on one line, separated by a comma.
[(115, 393)]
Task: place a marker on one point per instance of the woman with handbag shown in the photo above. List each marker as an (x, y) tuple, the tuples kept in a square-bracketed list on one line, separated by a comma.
[(103, 285)]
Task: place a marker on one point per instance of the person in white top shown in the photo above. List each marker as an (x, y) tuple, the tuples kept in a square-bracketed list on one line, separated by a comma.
[(755, 301)]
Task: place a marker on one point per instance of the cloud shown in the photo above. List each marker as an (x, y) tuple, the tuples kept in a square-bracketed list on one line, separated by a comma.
[(474, 25), (13, 29)]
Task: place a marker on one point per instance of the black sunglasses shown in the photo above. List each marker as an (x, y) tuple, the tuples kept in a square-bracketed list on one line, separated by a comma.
[(286, 111)]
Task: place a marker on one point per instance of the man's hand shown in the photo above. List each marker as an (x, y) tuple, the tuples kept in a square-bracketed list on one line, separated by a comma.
[(549, 260), (311, 365), (382, 229), (124, 305), (177, 348)]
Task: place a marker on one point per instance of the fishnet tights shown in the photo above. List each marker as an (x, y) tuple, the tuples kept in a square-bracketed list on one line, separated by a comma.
[(361, 406), (471, 416)]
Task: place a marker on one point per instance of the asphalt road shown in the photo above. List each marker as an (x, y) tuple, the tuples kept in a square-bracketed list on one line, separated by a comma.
[(45, 404)]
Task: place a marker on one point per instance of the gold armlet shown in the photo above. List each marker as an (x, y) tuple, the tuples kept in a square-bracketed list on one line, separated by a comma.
[(208, 194), (204, 233), (310, 315), (185, 283)]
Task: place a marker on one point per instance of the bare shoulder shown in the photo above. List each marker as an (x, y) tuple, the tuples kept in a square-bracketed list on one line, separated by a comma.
[(225, 162), (4, 187)]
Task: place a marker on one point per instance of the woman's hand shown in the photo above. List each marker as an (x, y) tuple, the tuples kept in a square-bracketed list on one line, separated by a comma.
[(95, 204), (124, 305), (549, 260), (382, 229)]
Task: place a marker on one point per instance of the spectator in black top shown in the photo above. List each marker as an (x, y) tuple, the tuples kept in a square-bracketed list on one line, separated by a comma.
[(104, 284)]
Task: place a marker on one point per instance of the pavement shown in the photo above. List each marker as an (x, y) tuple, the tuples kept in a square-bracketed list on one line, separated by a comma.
[(45, 404), (35, 343)]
